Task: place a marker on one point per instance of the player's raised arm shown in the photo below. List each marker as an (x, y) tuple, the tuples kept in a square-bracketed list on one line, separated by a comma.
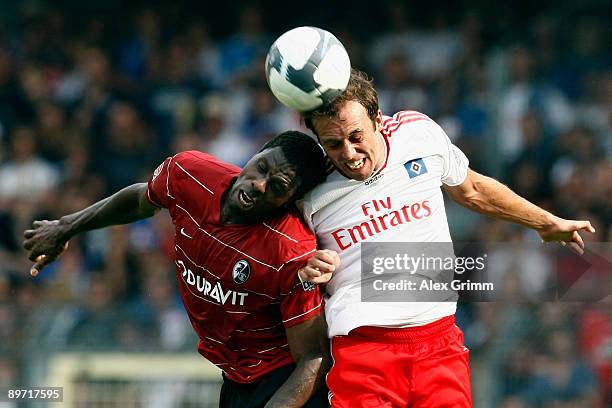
[(490, 197), (308, 344), (47, 240)]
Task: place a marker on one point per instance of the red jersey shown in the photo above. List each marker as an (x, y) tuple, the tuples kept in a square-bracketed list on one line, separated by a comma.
[(238, 283)]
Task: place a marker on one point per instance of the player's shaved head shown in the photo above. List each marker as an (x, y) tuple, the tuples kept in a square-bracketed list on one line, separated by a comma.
[(305, 155)]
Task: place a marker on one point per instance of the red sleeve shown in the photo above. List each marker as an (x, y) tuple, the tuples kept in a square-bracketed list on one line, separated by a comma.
[(298, 302), (158, 187), (184, 175)]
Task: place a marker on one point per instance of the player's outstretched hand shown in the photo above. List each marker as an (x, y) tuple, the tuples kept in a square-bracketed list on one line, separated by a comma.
[(320, 267), (566, 232), (46, 241)]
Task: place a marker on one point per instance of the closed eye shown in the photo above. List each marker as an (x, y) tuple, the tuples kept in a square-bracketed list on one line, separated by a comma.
[(356, 136), (262, 166), (333, 145), (279, 188)]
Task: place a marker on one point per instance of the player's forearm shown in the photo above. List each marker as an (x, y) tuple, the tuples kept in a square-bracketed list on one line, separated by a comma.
[(492, 198), (306, 378), (123, 207)]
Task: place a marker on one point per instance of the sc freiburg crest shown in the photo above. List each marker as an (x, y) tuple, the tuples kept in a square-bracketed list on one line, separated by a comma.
[(241, 271)]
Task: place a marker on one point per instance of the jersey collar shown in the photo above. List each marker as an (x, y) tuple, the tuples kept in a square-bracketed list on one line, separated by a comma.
[(386, 140)]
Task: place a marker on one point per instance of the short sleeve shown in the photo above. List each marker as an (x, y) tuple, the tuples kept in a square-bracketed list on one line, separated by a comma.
[(158, 187), (456, 166), (455, 162), (298, 302)]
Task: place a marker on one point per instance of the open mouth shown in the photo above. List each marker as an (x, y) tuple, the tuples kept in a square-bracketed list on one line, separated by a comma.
[(245, 200), (356, 165)]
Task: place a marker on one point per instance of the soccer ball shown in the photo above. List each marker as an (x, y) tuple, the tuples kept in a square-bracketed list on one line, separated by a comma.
[(307, 67)]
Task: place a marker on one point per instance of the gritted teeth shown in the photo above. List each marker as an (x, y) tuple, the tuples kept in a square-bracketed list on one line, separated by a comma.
[(354, 165), (245, 200)]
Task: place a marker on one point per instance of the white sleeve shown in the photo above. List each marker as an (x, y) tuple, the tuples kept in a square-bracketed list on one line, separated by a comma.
[(456, 166), (426, 138), (455, 162)]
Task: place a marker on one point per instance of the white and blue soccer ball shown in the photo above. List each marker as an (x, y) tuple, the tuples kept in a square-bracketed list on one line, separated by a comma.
[(307, 67)]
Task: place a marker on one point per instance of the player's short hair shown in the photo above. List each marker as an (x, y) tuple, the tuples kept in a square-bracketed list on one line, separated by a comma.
[(360, 89), (305, 155)]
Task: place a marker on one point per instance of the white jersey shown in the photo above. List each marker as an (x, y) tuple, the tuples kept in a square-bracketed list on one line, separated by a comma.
[(401, 202)]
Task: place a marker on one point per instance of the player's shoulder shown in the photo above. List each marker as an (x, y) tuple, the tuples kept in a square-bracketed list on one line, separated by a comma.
[(401, 123), (192, 171), (200, 161), (289, 235), (193, 164), (290, 228), (412, 132)]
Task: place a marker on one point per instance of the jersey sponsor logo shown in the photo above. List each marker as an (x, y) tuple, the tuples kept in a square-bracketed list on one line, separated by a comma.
[(415, 168), (241, 271), (374, 179), (211, 290), (380, 217)]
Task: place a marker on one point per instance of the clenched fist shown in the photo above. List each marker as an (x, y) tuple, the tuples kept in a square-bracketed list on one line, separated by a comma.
[(46, 241), (320, 267)]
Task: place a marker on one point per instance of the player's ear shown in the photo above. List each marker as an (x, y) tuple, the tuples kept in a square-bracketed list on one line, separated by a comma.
[(378, 121)]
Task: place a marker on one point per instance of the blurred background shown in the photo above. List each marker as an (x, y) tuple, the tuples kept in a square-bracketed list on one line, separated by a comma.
[(93, 95)]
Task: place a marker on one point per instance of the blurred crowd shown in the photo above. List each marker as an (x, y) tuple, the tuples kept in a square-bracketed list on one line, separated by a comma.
[(91, 106)]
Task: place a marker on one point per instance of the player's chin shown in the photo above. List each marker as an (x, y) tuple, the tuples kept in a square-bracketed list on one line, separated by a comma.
[(242, 202), (360, 173)]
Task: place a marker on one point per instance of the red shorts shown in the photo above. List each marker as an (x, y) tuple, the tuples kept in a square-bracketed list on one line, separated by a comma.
[(420, 367)]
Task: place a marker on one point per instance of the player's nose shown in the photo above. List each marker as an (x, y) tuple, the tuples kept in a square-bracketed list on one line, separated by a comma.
[(259, 185), (348, 151)]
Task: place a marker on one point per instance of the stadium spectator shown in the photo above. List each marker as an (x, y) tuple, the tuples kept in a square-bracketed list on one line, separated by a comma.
[(26, 175), (560, 377), (525, 93)]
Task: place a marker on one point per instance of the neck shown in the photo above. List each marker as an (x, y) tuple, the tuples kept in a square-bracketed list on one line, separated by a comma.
[(381, 149), (227, 215), (231, 215)]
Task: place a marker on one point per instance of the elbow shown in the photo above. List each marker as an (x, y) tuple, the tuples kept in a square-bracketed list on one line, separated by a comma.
[(311, 358), (481, 183), (315, 364), (466, 198), (473, 195), (484, 194)]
